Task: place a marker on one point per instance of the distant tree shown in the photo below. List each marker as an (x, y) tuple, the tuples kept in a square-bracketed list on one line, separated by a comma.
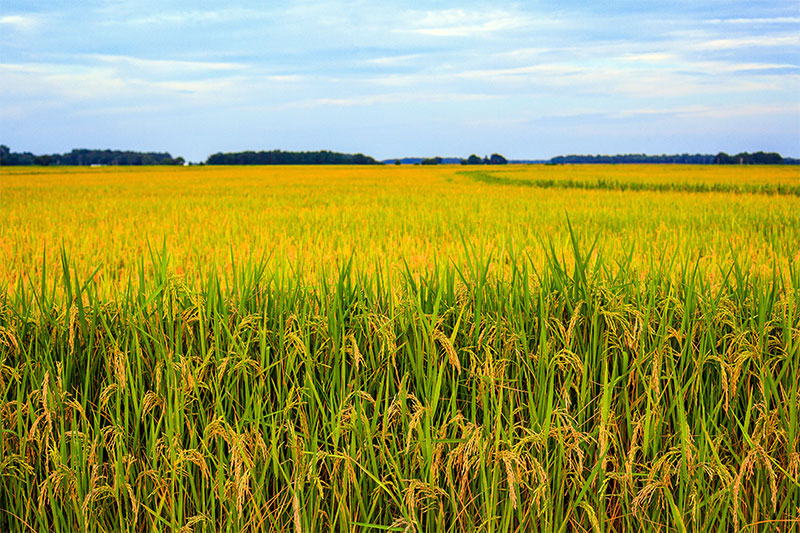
[(9, 158), (472, 160), (361, 159), (745, 158), (724, 159), (216, 159), (432, 161), (766, 158), (497, 159), (397, 162), (696, 159), (278, 157)]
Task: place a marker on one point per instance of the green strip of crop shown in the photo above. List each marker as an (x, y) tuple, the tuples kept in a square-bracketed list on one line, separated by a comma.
[(496, 178), (567, 397)]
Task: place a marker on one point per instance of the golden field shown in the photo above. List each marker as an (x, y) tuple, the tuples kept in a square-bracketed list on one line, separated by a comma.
[(313, 216), (408, 349)]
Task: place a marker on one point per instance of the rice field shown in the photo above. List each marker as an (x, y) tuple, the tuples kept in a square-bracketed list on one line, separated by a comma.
[(527, 348)]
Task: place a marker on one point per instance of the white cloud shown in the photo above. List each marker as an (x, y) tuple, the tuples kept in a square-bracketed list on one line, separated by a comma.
[(545, 69), (461, 23), (59, 83), (751, 21), (707, 111), (700, 111), (719, 67), (209, 87), (165, 65), (284, 78), (540, 72), (69, 83), (742, 42), (394, 60), (650, 57), (523, 54), (627, 76), (196, 16), (388, 98), (20, 22)]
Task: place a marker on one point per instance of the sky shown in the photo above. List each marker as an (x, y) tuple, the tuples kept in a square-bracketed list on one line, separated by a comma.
[(529, 80)]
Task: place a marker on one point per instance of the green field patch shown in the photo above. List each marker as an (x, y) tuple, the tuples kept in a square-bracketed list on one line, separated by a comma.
[(503, 178)]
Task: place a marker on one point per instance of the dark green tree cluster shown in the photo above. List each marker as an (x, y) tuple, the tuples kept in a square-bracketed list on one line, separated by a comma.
[(83, 157), (9, 158), (684, 159), (495, 159), (744, 158), (758, 158), (278, 157)]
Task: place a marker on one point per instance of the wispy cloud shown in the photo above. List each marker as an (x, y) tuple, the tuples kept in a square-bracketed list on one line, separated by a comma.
[(394, 60), (686, 112), (523, 54), (20, 22), (751, 21), (165, 65), (387, 98), (650, 57), (707, 111), (750, 41), (463, 23), (627, 75), (195, 16)]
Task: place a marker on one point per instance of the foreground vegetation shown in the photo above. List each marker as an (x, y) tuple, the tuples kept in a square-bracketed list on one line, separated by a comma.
[(488, 363)]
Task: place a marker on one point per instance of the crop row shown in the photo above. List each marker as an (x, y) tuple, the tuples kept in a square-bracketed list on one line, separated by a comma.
[(568, 397)]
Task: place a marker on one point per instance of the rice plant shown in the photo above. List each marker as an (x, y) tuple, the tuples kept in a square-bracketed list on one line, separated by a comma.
[(570, 384)]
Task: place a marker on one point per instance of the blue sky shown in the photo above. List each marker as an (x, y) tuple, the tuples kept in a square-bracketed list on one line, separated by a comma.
[(526, 79)]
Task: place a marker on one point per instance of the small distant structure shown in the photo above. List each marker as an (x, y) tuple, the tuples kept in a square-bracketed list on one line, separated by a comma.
[(95, 165)]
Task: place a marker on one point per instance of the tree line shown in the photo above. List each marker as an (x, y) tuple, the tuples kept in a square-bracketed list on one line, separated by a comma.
[(84, 157), (744, 158), (758, 158), (279, 157), (495, 159)]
